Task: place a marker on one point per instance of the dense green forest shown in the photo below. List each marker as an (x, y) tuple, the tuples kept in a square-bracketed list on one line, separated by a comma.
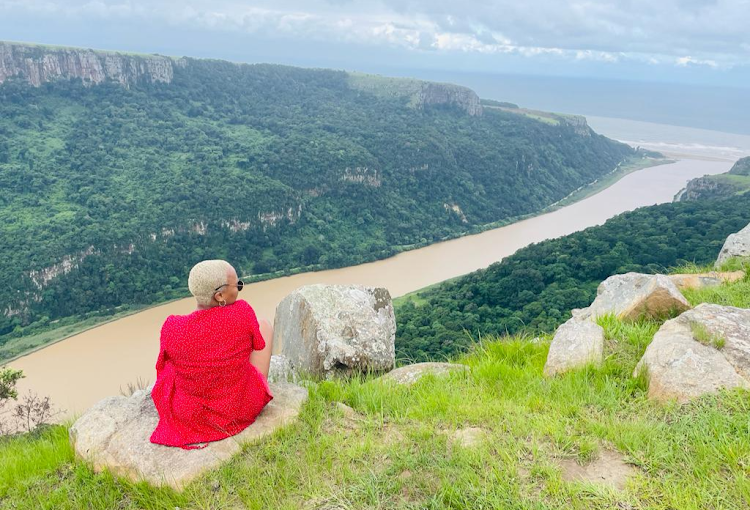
[(109, 194), (535, 289)]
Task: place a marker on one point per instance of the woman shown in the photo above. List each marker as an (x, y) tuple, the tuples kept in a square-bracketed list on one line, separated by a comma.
[(212, 370)]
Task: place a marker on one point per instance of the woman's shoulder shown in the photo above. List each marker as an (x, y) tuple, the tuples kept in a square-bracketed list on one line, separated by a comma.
[(241, 303), (243, 308)]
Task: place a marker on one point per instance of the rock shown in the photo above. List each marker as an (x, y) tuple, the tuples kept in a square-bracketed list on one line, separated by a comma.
[(409, 374), (609, 469), (327, 330), (736, 245), (114, 435), (577, 343), (580, 313), (632, 295), (701, 280), (680, 366), (41, 64), (281, 369)]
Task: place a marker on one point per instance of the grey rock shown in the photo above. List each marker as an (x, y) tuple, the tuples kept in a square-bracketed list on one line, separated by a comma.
[(576, 343), (328, 330), (632, 295), (701, 280), (736, 245), (114, 435), (281, 369), (40, 64), (679, 366), (409, 374)]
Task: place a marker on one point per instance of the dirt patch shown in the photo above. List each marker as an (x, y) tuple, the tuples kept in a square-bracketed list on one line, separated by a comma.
[(609, 469), (467, 437)]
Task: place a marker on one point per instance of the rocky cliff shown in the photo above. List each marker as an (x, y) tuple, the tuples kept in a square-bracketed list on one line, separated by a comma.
[(444, 93), (40, 64), (418, 93), (736, 181), (741, 167)]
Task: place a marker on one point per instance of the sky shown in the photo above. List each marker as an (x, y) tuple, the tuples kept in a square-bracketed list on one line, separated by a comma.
[(690, 41), (695, 43)]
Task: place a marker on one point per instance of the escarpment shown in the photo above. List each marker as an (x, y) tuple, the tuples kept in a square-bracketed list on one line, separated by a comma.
[(41, 64)]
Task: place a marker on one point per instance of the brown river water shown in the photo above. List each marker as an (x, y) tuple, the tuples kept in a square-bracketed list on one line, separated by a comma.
[(82, 369)]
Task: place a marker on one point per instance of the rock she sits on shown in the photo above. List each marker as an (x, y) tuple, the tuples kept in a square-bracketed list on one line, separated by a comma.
[(327, 330), (114, 435)]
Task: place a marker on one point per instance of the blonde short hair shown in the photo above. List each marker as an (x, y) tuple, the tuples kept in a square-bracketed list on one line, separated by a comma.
[(206, 276)]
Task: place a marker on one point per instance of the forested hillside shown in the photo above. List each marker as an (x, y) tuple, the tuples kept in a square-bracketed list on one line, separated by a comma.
[(114, 185), (535, 289)]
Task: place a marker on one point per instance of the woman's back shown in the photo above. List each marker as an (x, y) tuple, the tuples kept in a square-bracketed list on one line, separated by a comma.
[(206, 388)]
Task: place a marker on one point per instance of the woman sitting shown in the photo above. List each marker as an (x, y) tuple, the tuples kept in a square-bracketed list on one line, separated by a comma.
[(211, 374)]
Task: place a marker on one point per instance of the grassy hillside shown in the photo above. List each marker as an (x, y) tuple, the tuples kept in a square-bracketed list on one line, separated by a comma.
[(397, 452)]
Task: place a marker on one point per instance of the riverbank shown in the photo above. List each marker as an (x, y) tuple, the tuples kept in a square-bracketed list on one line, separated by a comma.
[(16, 348)]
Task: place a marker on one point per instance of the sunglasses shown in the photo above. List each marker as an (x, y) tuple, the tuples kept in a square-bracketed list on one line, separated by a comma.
[(239, 285)]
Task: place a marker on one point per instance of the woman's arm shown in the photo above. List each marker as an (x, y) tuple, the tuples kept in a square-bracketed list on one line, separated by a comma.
[(162, 348)]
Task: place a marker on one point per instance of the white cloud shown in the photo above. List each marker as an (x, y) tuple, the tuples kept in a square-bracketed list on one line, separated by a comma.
[(686, 61), (678, 32)]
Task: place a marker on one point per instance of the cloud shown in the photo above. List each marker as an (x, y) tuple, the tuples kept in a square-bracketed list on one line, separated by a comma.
[(676, 32), (686, 61)]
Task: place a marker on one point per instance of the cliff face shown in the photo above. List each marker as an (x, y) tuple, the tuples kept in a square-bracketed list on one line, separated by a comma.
[(418, 93), (578, 122), (443, 93), (736, 181), (741, 167), (703, 188), (39, 64)]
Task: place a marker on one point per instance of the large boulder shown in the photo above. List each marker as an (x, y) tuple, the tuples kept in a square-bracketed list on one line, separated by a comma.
[(327, 330), (281, 370), (577, 343), (701, 280), (632, 295), (409, 374), (699, 352), (114, 435), (736, 245)]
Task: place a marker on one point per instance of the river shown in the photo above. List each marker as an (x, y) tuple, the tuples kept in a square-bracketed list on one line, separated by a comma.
[(82, 369)]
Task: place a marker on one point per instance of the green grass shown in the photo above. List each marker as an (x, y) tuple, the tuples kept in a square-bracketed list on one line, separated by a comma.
[(398, 453), (702, 335), (738, 183)]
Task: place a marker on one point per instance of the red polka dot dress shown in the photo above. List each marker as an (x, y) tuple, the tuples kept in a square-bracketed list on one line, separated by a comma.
[(206, 389)]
